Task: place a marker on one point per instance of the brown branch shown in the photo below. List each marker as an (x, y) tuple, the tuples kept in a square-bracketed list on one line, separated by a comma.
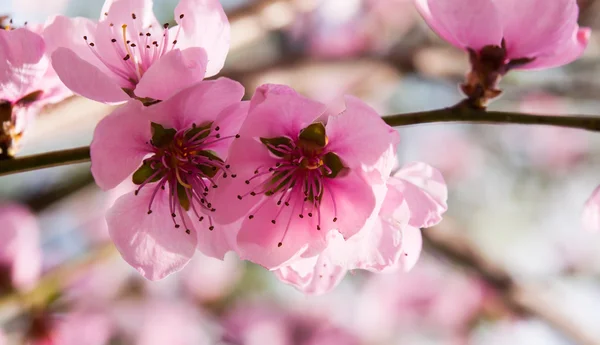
[(523, 300)]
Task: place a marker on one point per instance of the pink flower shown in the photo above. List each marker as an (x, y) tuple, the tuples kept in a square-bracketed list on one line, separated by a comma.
[(175, 150), (208, 279), (22, 68), (129, 54), (20, 251), (499, 35), (302, 172), (416, 198)]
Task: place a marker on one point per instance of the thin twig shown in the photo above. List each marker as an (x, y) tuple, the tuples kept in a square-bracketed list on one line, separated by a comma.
[(523, 300), (45, 160)]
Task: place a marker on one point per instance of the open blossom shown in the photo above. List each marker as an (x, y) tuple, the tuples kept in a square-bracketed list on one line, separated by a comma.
[(507, 34), (20, 251), (302, 172), (26, 85), (175, 150), (127, 53), (416, 198)]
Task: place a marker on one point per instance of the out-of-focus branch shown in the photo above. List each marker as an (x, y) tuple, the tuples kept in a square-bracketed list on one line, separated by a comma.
[(523, 300), (45, 160), (53, 282)]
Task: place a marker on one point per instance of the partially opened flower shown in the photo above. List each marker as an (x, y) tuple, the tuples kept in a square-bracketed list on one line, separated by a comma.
[(174, 150), (127, 53), (302, 172), (501, 35), (22, 68), (416, 198), (20, 251)]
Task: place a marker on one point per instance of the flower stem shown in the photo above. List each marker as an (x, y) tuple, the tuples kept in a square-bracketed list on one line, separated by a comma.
[(45, 160), (458, 113)]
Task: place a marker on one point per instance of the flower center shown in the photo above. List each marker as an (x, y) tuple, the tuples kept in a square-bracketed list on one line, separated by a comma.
[(183, 161), (137, 47), (299, 178)]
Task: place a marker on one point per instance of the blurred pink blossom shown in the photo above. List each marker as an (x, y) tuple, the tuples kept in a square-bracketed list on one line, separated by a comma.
[(429, 297), (208, 279), (129, 54), (20, 251), (301, 173), (174, 150), (257, 325), (416, 198), (591, 212)]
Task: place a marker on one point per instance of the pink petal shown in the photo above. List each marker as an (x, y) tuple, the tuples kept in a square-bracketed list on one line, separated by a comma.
[(218, 242), (149, 242), (200, 103), (463, 23), (258, 238), (359, 136), (173, 72), (204, 25), (425, 191), (22, 62), (591, 212), (354, 204), (86, 79), (68, 33), (120, 12), (412, 243), (119, 144), (532, 28), (245, 155), (20, 245), (316, 275), (568, 52), (265, 90), (280, 114)]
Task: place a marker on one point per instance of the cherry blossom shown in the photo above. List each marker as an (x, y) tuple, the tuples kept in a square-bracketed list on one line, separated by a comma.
[(175, 150), (499, 36), (127, 53), (302, 172), (26, 85), (416, 198), (20, 251)]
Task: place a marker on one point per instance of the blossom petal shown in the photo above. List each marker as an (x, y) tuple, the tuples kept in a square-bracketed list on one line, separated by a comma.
[(552, 27), (591, 212), (425, 191), (266, 90), (200, 103), (359, 136), (216, 243), (412, 244), (173, 72), (204, 24), (22, 62), (121, 12), (350, 201), (86, 79), (68, 33), (149, 242), (571, 50), (119, 144), (316, 275), (280, 114), (463, 23), (258, 239)]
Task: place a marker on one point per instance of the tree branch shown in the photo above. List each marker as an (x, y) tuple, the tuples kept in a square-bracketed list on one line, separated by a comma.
[(45, 160), (523, 300), (458, 113)]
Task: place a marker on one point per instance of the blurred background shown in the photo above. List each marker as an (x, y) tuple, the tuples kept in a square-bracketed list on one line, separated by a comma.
[(516, 196)]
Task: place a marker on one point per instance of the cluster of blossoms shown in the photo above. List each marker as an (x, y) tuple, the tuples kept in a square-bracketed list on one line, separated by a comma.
[(282, 180)]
